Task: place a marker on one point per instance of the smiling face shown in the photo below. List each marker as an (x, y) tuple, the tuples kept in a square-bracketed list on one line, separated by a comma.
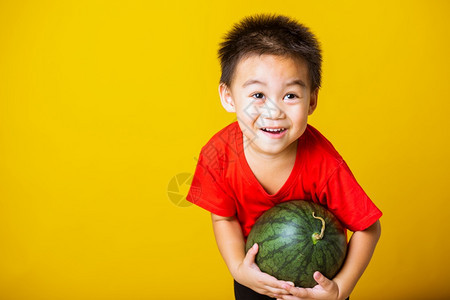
[(272, 98)]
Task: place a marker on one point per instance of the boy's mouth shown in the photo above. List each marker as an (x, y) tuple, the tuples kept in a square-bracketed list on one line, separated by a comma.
[(273, 132)]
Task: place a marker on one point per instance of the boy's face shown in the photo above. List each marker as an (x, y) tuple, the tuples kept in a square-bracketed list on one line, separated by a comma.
[(272, 98)]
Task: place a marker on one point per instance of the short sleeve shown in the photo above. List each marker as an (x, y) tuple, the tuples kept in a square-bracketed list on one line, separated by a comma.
[(208, 188), (347, 200)]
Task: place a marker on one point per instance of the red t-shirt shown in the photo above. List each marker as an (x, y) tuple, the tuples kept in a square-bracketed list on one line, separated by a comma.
[(225, 185)]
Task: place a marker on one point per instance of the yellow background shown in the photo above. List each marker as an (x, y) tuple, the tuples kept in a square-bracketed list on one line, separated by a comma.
[(102, 103)]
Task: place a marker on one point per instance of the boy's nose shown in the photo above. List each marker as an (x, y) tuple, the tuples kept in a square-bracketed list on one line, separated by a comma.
[(271, 110)]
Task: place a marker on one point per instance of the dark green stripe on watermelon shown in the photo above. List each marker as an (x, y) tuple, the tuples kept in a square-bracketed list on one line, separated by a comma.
[(286, 248)]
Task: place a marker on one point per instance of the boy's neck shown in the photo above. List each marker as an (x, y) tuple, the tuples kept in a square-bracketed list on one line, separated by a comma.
[(265, 165), (257, 155)]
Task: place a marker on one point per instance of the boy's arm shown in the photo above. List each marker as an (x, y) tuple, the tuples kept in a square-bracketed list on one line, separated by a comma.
[(242, 267), (361, 247)]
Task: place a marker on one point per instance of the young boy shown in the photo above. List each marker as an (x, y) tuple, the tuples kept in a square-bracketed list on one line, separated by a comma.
[(271, 73)]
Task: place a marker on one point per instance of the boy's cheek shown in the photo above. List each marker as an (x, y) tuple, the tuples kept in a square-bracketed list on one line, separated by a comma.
[(248, 114)]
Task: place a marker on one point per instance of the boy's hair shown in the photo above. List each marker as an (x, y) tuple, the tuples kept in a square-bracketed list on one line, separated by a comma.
[(270, 34)]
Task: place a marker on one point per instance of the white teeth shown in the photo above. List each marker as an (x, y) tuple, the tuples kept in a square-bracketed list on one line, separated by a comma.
[(274, 129)]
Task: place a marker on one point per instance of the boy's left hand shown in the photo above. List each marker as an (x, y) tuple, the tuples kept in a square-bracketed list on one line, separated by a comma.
[(325, 289)]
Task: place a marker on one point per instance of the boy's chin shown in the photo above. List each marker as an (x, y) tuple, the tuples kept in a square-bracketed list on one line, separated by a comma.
[(267, 148)]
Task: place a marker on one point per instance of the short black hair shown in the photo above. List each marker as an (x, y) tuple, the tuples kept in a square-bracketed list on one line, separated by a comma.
[(270, 34)]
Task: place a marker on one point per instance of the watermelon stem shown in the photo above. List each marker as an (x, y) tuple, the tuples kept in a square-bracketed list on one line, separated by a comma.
[(316, 236)]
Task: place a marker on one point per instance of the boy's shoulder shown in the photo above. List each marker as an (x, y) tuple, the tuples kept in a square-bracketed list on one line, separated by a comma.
[(227, 134), (225, 142), (319, 146)]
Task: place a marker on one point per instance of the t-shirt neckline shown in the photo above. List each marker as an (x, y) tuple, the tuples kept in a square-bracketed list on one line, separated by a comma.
[(250, 176)]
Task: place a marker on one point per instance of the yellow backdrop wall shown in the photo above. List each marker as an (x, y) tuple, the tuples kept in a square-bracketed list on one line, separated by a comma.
[(104, 106)]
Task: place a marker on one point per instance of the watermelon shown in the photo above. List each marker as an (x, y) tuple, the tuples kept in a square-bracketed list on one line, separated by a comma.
[(297, 238)]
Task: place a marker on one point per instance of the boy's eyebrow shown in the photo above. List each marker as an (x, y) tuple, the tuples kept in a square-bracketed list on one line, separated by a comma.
[(252, 81), (255, 81), (297, 82)]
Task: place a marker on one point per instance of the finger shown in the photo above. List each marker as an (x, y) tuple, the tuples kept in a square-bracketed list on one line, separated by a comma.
[(251, 254), (276, 296), (289, 297), (276, 291), (297, 292), (274, 285), (324, 282), (271, 292)]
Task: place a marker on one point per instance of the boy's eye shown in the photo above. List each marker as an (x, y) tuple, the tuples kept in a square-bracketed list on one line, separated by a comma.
[(258, 95), (290, 96)]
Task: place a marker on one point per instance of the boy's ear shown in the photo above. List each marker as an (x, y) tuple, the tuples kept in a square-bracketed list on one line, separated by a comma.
[(226, 98), (313, 101)]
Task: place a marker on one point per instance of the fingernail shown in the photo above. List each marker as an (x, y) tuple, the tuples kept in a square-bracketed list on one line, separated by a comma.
[(290, 283)]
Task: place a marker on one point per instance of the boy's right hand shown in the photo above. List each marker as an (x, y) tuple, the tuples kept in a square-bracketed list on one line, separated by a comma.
[(249, 274)]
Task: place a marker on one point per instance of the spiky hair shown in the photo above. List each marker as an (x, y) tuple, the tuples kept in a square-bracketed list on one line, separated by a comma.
[(270, 34)]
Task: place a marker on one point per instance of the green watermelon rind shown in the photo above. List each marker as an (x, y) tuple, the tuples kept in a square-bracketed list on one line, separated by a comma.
[(286, 249)]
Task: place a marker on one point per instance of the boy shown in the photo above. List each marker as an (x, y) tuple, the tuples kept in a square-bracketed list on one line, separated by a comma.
[(271, 72)]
